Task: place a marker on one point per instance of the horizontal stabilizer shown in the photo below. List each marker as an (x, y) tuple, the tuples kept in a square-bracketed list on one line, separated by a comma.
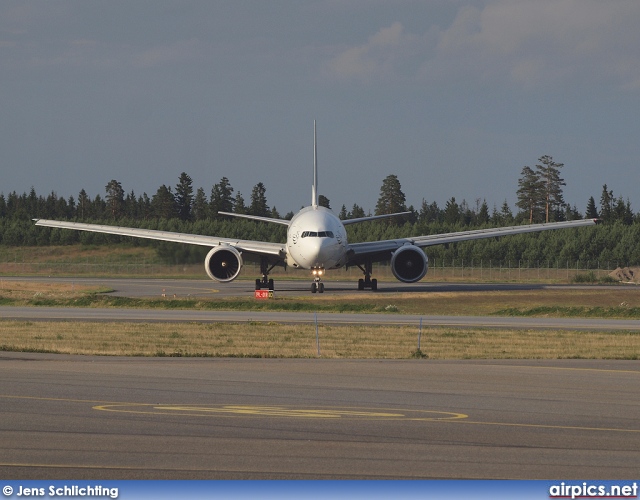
[(372, 217), (284, 222)]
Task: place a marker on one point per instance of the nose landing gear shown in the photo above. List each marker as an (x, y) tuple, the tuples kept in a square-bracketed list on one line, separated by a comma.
[(317, 285)]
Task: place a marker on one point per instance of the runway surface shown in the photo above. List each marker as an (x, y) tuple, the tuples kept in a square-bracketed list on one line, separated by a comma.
[(166, 418)]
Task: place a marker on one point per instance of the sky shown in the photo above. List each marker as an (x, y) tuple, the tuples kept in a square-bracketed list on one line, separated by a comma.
[(454, 97)]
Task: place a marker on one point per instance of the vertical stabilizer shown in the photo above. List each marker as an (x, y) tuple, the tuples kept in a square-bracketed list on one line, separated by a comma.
[(314, 188)]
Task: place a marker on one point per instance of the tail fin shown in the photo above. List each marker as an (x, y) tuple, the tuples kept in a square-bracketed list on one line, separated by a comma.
[(314, 188)]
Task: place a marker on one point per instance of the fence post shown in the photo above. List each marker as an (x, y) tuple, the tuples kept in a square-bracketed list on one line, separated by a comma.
[(317, 335)]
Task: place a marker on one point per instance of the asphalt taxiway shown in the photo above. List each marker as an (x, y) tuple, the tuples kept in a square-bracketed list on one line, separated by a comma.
[(175, 418)]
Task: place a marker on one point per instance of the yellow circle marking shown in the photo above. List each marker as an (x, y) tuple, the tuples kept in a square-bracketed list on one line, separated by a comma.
[(283, 411), (339, 413)]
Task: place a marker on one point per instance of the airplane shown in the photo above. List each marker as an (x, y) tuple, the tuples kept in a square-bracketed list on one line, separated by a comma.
[(316, 241)]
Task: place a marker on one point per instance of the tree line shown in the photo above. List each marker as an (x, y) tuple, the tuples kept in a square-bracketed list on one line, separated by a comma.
[(540, 199), (184, 209)]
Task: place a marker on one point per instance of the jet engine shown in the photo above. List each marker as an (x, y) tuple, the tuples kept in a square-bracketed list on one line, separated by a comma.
[(223, 263), (409, 264)]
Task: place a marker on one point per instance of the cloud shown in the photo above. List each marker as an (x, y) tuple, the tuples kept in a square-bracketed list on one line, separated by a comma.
[(527, 43), (534, 43), (100, 36), (176, 52), (378, 57)]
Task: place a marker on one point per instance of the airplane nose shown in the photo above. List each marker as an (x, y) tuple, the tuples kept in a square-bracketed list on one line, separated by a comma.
[(316, 247), (320, 251)]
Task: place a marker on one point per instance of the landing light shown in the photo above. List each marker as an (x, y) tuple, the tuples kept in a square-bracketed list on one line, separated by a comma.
[(317, 272)]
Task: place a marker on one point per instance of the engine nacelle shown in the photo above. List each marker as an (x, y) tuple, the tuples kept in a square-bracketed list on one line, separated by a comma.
[(409, 264), (223, 263)]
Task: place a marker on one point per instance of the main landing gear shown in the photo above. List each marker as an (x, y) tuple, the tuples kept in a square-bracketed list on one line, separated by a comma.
[(367, 282), (317, 285), (265, 282)]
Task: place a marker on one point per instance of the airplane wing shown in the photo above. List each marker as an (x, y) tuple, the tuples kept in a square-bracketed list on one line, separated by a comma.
[(287, 222), (381, 250), (253, 247)]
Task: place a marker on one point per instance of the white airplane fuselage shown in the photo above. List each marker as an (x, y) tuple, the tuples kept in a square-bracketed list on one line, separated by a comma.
[(316, 239)]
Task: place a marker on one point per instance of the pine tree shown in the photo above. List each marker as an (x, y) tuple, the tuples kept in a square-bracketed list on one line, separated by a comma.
[(606, 204), (506, 215), (258, 205), (549, 173), (572, 213), (200, 208), (32, 203), (467, 215), (483, 213), (343, 212), (622, 211), (451, 212), (592, 211), (323, 201), (98, 207), (392, 199), (115, 198), (131, 206), (429, 212), (144, 204), (184, 196), (238, 204), (356, 212), (163, 203), (221, 198), (83, 204), (531, 196)]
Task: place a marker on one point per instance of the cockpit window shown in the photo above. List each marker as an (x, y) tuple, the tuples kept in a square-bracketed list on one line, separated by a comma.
[(318, 234)]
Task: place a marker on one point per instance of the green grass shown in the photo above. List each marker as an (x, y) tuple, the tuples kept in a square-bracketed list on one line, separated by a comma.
[(98, 300), (572, 312)]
